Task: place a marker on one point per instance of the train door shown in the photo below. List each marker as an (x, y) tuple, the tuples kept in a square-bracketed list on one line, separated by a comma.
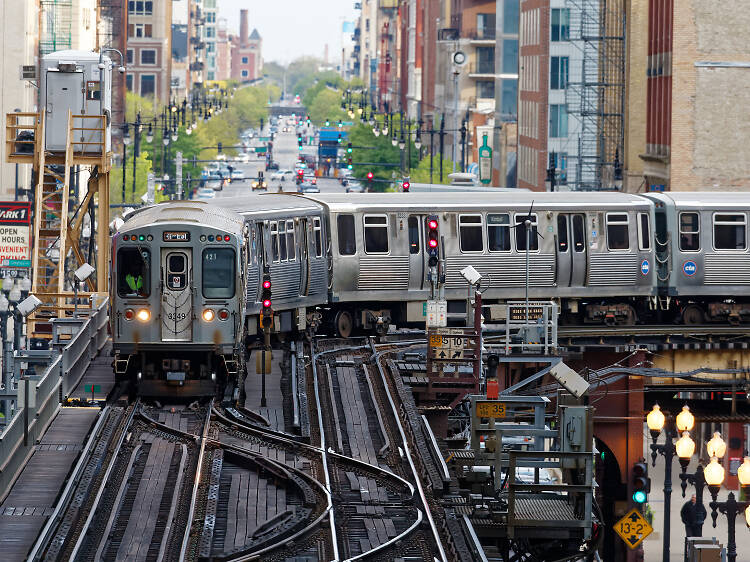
[(304, 257), (571, 250), (416, 254), (177, 296)]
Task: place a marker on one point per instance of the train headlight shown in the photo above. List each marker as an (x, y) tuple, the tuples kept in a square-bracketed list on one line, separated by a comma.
[(223, 314), (144, 315), (129, 314), (208, 315)]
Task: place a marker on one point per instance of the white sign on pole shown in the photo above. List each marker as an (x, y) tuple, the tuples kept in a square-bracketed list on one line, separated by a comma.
[(15, 234), (437, 314), (150, 189)]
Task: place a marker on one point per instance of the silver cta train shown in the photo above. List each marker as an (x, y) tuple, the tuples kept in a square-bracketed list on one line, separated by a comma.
[(362, 262)]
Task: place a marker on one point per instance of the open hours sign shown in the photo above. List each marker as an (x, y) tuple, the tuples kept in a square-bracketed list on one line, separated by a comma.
[(15, 234)]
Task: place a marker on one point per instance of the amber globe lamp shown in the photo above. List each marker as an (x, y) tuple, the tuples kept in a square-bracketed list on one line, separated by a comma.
[(655, 421), (743, 475), (716, 447), (685, 420), (714, 475), (685, 448)]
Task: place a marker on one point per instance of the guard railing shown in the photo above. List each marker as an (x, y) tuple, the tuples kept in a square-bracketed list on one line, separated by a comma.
[(45, 379)]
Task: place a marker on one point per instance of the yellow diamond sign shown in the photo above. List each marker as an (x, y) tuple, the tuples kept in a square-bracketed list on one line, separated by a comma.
[(633, 528)]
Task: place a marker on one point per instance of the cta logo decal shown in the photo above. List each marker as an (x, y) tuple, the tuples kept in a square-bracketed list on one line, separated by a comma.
[(689, 268), (645, 267)]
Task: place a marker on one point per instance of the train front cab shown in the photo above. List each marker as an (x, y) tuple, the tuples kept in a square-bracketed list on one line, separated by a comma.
[(176, 318)]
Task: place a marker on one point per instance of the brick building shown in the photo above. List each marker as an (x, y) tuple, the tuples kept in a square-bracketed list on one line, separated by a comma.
[(247, 60), (149, 52)]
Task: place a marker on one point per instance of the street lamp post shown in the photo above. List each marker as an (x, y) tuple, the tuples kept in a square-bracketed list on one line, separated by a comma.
[(731, 508), (656, 422), (125, 143), (136, 148)]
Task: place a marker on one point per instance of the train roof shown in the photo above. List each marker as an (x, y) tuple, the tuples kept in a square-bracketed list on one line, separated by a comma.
[(704, 199), (442, 201), (194, 212), (282, 203)]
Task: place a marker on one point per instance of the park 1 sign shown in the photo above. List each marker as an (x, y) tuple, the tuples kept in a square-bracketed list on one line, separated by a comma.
[(15, 235)]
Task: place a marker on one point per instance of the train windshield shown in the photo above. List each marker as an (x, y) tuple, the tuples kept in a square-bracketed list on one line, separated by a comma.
[(218, 273), (133, 272)]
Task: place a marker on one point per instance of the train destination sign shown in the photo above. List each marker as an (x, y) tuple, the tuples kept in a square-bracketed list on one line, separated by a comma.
[(176, 236), (15, 234)]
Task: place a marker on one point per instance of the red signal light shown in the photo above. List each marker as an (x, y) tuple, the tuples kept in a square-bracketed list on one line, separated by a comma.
[(266, 284), (432, 243), (267, 303), (405, 186), (432, 224), (226, 238), (369, 175)]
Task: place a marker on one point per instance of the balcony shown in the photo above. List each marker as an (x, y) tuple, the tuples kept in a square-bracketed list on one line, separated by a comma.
[(482, 69), (448, 34), (480, 34)]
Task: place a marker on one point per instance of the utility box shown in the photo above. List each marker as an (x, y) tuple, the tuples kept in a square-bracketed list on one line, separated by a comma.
[(79, 82), (576, 433)]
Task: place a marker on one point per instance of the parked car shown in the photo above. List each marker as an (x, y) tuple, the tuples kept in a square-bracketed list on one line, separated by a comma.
[(307, 187), (216, 184), (355, 187), (282, 175), (205, 193)]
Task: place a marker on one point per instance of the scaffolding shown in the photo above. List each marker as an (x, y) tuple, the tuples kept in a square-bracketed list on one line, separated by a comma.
[(597, 28), (55, 26)]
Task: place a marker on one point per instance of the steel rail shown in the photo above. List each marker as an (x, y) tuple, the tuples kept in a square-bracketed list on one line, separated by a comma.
[(407, 451), (324, 454), (43, 538), (196, 483), (105, 479)]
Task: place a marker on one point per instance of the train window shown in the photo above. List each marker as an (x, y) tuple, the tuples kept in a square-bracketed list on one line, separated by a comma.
[(562, 234), (579, 237), (413, 235), (521, 233), (176, 263), (617, 232), (729, 232), (498, 233), (376, 234), (347, 242), (644, 232), (133, 272), (176, 276), (291, 247), (690, 239), (282, 240), (275, 242), (318, 237), (470, 237), (218, 273)]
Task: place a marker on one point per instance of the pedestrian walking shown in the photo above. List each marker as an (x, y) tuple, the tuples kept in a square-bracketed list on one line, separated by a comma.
[(693, 515)]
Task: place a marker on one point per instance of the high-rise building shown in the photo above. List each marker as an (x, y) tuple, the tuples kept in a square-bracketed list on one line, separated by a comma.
[(209, 37)]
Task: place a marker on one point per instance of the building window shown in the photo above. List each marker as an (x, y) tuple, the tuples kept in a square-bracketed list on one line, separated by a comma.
[(148, 56), (509, 101), (211, 17), (210, 47), (139, 30), (558, 121), (485, 26), (129, 82), (485, 60), (244, 74), (558, 73), (210, 32), (510, 56), (130, 56), (367, 25), (244, 60), (510, 16), (140, 7), (148, 85), (560, 24), (210, 76), (486, 89)]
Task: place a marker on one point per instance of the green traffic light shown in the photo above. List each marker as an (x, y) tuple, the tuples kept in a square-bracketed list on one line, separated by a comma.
[(349, 166), (639, 496), (349, 150)]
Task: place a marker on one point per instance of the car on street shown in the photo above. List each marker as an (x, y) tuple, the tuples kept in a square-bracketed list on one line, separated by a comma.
[(216, 184), (244, 158), (205, 193), (272, 165), (237, 175), (355, 187), (282, 175), (307, 187)]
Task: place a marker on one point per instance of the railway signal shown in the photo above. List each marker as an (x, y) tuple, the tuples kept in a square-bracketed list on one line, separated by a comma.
[(300, 176), (349, 148), (266, 315), (299, 142), (405, 185), (369, 179), (339, 139), (432, 240), (641, 482)]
